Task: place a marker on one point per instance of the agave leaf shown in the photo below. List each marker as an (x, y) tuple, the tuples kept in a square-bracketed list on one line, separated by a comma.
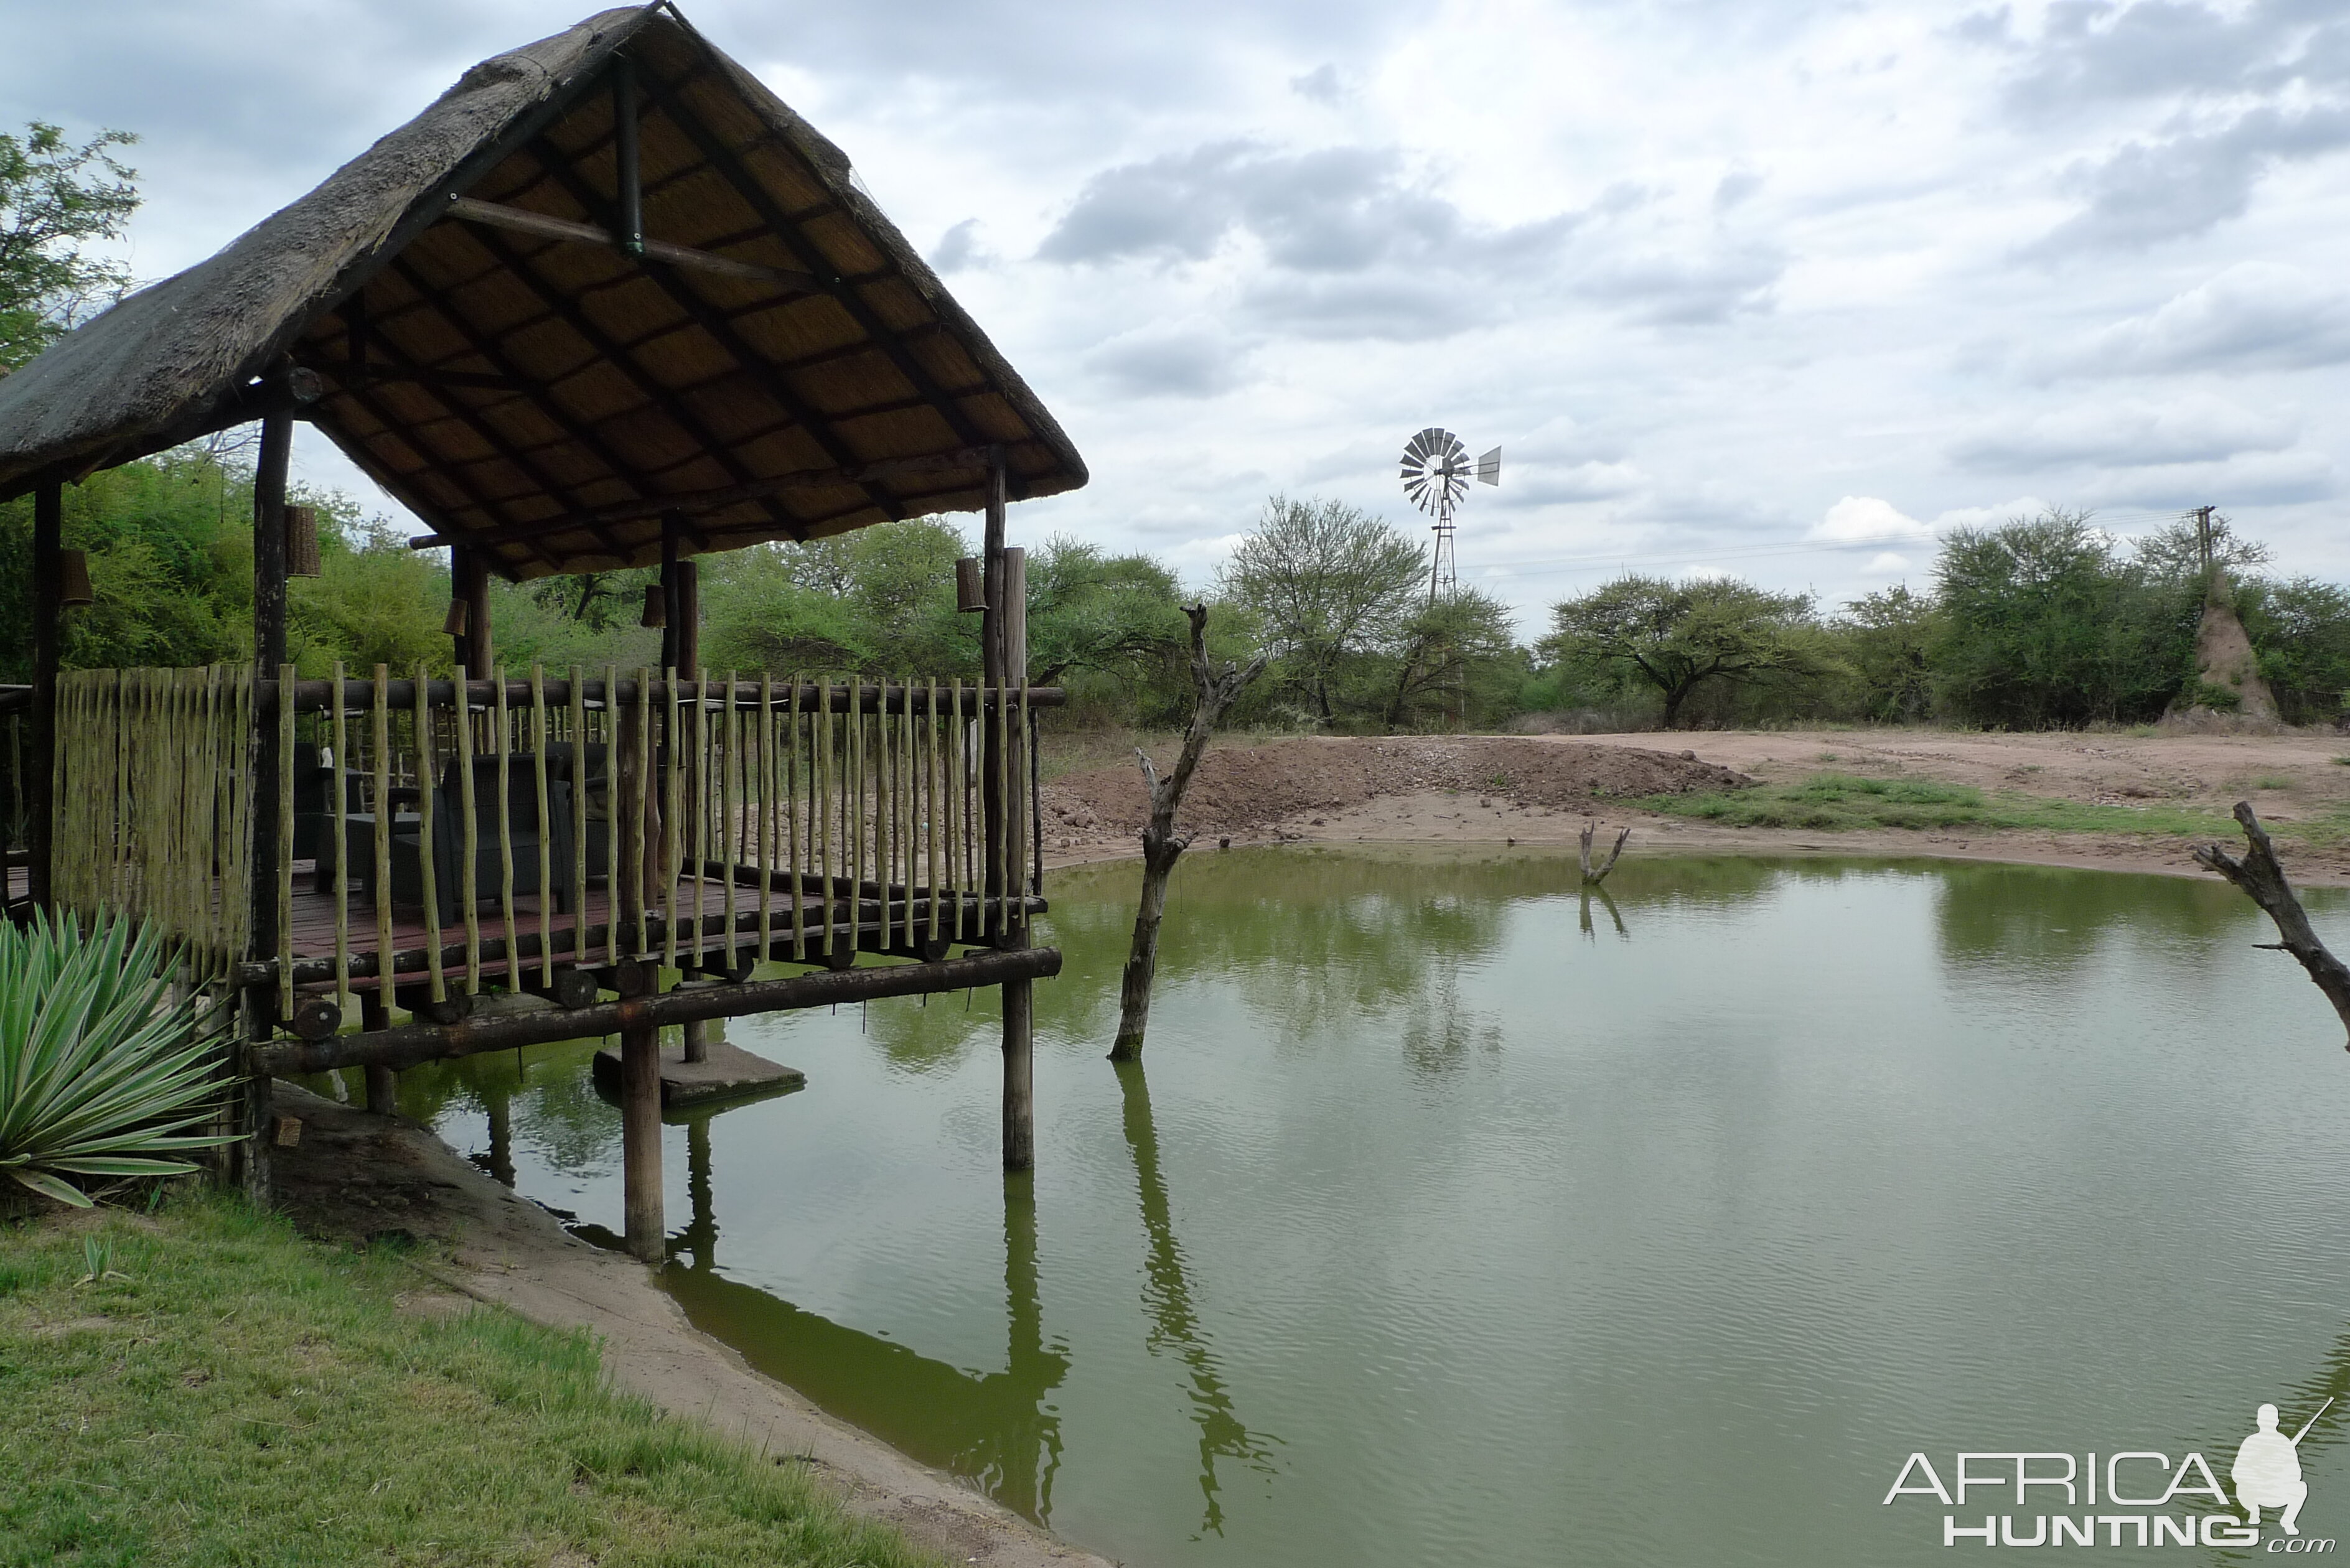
[(51, 1187), (100, 1072), (123, 1166)]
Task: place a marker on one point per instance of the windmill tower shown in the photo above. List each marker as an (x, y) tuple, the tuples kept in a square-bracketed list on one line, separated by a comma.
[(1436, 474)]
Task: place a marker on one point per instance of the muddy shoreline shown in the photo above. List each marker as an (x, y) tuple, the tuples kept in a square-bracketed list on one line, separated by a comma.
[(1541, 791)]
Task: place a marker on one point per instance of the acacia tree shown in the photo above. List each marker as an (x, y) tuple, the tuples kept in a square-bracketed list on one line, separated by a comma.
[(1679, 635), (1329, 581), (1886, 636), (1118, 616), (1444, 649), (54, 199), (2045, 623)]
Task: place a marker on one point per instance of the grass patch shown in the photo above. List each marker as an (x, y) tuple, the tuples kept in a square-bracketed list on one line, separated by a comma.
[(1841, 803), (225, 1392), (2272, 783)]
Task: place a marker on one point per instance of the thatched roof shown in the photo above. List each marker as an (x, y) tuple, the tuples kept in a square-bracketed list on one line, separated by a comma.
[(794, 371)]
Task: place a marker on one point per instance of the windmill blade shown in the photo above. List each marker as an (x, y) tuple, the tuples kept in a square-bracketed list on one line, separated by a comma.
[(1489, 467)]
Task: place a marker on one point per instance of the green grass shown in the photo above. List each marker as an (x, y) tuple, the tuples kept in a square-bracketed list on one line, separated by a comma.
[(233, 1394), (1841, 803), (2272, 783)]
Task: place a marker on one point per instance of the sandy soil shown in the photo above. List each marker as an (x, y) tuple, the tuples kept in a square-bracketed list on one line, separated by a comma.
[(1541, 789), (353, 1177)]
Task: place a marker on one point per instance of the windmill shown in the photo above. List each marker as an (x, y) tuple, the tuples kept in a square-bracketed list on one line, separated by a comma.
[(1436, 474)]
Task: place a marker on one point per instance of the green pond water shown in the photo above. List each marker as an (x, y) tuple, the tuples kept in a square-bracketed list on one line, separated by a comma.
[(1459, 1220)]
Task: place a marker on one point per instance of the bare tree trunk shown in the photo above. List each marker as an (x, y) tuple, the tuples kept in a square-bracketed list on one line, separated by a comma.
[(2263, 881), (1162, 845), (1593, 879)]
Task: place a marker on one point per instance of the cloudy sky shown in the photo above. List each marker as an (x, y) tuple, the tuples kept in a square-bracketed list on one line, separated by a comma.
[(1766, 286)]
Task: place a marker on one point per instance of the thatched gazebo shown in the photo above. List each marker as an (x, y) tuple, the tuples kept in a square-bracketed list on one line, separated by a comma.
[(607, 303)]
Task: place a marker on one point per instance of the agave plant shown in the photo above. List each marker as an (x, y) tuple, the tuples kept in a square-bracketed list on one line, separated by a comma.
[(102, 1073)]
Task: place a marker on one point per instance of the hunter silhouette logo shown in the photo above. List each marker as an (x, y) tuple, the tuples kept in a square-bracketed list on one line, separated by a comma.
[(2267, 1472), (2133, 1497)]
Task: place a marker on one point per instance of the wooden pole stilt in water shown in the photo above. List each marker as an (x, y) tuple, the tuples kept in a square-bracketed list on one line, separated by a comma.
[(1162, 845), (49, 636), (641, 1126), (1004, 633), (382, 1083), (685, 629)]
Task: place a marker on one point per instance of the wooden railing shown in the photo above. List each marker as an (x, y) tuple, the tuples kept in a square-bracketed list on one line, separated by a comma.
[(448, 835), (154, 804)]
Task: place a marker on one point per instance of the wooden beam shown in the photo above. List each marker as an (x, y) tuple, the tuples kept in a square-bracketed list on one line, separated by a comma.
[(711, 500), (407, 1046), (714, 323), (452, 472), (543, 402), (317, 696), (600, 342), (541, 225), (721, 157)]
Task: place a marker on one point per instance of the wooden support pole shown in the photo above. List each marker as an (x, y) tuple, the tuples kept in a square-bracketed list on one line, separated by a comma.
[(267, 749), (269, 544), (670, 526), (48, 641), (1004, 637), (645, 1221), (383, 1082), (685, 615), (473, 582)]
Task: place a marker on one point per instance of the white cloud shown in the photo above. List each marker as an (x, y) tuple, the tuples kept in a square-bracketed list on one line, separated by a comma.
[(1866, 519)]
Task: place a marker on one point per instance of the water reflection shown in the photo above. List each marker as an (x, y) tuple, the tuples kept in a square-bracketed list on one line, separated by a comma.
[(1174, 1322), (1995, 916), (1607, 903), (998, 1429)]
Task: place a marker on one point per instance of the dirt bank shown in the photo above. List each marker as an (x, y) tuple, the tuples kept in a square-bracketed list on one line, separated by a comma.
[(353, 1177), (1286, 787), (1541, 790)]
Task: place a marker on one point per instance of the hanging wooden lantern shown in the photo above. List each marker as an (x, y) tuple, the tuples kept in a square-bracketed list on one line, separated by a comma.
[(302, 542), (971, 586), (73, 580), (656, 606), (455, 622)]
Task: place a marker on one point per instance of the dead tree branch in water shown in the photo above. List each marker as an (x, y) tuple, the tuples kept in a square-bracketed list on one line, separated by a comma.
[(1593, 879), (1162, 845), (2263, 881)]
